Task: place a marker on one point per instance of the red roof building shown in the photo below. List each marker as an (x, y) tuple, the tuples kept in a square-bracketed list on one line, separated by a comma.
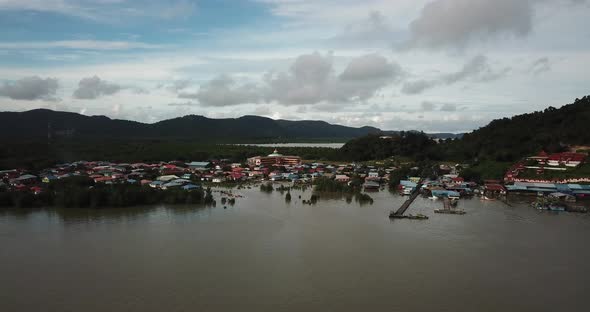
[(567, 159)]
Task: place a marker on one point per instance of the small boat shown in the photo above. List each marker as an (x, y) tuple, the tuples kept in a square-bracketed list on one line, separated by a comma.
[(556, 208), (418, 217)]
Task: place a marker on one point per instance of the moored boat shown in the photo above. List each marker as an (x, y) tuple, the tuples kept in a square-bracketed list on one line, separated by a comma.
[(418, 217)]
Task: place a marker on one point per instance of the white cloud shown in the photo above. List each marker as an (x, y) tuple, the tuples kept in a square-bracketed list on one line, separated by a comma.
[(370, 66), (30, 88), (311, 80), (444, 23), (94, 87), (223, 91)]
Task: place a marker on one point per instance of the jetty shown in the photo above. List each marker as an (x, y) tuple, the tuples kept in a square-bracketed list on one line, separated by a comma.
[(399, 214)]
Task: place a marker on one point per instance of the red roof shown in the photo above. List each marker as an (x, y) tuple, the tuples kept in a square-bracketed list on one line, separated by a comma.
[(568, 157), (494, 187), (237, 175), (103, 179)]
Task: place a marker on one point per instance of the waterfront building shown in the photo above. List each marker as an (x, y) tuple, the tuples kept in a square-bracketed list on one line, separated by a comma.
[(274, 159), (566, 159)]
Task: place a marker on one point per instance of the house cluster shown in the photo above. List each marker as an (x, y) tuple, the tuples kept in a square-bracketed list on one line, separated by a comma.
[(162, 175), (191, 175), (450, 186), (535, 183), (545, 162), (554, 189)]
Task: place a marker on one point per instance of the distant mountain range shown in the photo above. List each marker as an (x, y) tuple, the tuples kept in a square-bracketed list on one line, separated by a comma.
[(40, 123)]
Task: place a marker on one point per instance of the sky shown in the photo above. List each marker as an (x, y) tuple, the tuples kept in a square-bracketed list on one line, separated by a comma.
[(430, 65)]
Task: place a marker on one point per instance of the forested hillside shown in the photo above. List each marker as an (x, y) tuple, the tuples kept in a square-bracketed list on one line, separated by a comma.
[(502, 140), (509, 139)]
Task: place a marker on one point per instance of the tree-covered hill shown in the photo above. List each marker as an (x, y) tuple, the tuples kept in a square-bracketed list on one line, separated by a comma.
[(502, 140), (411, 144), (510, 139), (38, 124)]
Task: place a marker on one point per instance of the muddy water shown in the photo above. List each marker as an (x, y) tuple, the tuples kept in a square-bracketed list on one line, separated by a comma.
[(264, 254)]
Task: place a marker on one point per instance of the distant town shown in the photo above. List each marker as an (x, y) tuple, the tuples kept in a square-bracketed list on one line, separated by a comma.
[(570, 182)]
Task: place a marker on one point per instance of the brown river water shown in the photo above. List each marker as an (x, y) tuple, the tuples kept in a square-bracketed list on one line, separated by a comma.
[(266, 255)]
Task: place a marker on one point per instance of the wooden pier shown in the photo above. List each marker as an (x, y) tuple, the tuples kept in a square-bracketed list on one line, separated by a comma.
[(399, 214)]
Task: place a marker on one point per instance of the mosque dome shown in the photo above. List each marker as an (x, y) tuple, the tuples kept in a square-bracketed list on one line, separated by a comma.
[(275, 154)]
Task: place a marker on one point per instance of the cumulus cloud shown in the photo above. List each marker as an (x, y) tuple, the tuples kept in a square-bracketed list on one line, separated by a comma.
[(224, 91), (94, 87), (371, 66), (477, 69), (444, 23), (312, 80), (30, 88)]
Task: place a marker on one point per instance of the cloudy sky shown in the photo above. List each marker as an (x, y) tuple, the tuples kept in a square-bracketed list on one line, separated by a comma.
[(432, 65)]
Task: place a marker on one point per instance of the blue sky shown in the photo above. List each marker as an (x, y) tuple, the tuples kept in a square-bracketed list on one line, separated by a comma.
[(432, 65)]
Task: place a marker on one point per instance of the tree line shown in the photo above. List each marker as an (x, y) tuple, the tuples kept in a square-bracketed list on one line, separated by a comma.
[(82, 192)]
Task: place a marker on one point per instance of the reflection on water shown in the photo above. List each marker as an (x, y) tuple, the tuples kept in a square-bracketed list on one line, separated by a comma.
[(264, 254)]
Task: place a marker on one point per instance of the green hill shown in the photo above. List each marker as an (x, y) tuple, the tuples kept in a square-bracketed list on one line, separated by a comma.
[(510, 139)]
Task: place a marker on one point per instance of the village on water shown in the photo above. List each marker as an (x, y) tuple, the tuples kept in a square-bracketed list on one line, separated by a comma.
[(523, 178)]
